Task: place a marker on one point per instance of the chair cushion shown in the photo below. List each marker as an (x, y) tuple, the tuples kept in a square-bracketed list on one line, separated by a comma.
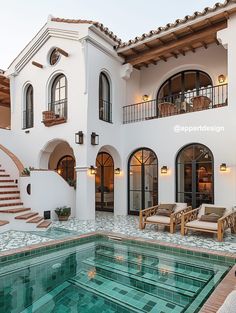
[(164, 212), (216, 210), (166, 209), (204, 205), (212, 218), (159, 219), (202, 225)]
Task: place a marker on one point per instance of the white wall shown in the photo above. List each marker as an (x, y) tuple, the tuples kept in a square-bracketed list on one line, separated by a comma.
[(48, 191)]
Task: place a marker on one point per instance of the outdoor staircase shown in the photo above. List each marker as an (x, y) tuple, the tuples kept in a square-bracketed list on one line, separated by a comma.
[(12, 210)]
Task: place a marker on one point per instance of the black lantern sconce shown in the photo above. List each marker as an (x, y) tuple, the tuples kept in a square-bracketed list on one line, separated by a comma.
[(117, 171), (223, 167), (94, 139), (164, 169), (93, 170), (79, 138)]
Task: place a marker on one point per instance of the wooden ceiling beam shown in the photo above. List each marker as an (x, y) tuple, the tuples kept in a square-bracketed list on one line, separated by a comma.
[(154, 62), (187, 40), (182, 52), (4, 91), (192, 49), (37, 64), (4, 104), (204, 44), (174, 55), (175, 36), (163, 58), (5, 83)]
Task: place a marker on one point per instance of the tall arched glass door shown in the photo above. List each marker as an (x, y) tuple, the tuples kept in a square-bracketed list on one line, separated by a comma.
[(195, 175), (142, 180), (104, 182)]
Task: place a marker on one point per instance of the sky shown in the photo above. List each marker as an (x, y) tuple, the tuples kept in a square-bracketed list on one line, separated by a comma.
[(21, 19)]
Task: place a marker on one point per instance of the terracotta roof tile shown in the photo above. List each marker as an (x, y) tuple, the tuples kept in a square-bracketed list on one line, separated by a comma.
[(100, 26), (178, 22)]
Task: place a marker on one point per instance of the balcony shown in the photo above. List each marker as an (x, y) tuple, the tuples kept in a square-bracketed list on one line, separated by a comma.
[(186, 102), (105, 111), (57, 113)]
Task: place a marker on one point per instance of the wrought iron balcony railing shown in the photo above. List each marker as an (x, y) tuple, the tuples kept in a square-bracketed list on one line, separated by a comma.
[(105, 111), (186, 102)]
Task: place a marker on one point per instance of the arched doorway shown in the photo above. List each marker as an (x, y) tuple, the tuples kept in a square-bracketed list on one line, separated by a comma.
[(195, 175), (57, 155), (66, 168), (142, 180), (104, 182)]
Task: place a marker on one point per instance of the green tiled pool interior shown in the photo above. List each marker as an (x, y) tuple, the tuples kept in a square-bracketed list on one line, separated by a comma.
[(108, 276)]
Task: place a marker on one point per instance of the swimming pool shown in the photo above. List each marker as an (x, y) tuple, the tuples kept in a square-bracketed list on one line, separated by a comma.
[(105, 275)]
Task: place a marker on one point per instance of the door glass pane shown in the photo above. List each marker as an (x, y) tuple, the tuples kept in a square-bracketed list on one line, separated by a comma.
[(195, 175), (143, 190), (104, 182), (98, 196), (135, 178), (135, 201)]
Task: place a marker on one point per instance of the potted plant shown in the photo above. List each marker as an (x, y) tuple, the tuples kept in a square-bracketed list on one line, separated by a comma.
[(63, 213)]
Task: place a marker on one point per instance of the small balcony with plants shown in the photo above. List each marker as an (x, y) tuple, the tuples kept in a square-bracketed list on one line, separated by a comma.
[(57, 113)]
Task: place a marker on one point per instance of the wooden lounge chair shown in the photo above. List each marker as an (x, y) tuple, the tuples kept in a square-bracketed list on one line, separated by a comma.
[(151, 216), (192, 220)]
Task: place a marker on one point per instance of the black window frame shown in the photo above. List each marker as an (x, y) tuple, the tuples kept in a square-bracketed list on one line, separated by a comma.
[(194, 173), (182, 73), (28, 112), (105, 106), (132, 212), (61, 103)]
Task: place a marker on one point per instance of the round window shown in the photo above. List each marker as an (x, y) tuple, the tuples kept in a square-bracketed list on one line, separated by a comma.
[(54, 56)]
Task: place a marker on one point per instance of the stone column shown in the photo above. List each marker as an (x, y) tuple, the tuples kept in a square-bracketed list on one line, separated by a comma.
[(85, 194)]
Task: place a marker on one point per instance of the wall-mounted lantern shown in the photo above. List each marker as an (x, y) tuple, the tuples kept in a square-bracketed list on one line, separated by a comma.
[(221, 79), (79, 138), (223, 167), (164, 169), (94, 139), (93, 170), (117, 171), (145, 98)]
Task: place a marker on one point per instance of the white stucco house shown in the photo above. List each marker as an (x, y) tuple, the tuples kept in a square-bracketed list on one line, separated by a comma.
[(113, 126)]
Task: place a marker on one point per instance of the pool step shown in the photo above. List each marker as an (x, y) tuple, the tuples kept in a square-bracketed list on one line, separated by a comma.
[(156, 260), (35, 220), (2, 223), (128, 296), (26, 216), (146, 282), (44, 224)]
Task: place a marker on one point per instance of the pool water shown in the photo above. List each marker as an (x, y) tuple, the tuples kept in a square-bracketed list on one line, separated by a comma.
[(108, 276)]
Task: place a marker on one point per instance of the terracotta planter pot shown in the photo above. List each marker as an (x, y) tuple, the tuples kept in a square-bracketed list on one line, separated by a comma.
[(63, 218)]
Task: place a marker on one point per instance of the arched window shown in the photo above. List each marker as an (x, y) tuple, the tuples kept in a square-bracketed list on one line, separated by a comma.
[(142, 180), (66, 168), (185, 90), (195, 175), (105, 107), (58, 103), (28, 113), (104, 182)]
